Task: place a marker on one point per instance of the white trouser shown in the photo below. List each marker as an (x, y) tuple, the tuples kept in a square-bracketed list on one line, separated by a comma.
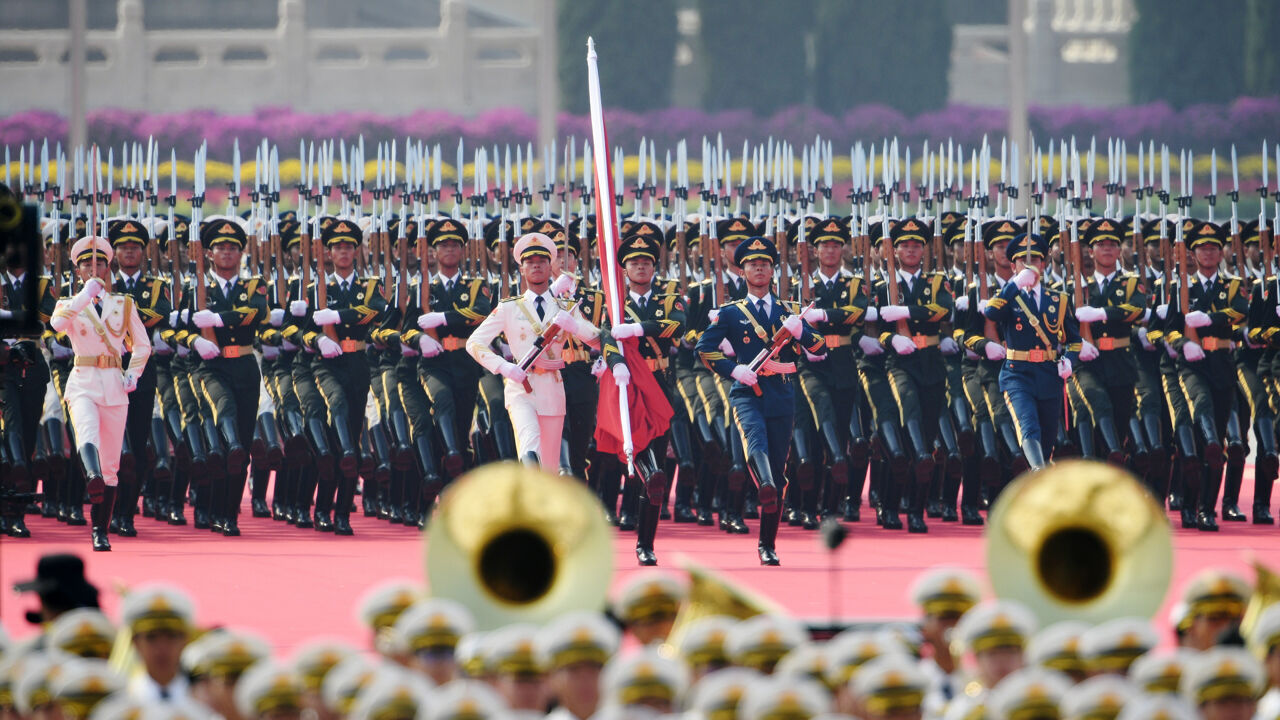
[(101, 426), (537, 433)]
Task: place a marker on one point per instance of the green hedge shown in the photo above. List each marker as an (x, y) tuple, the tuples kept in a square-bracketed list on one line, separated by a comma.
[(637, 43)]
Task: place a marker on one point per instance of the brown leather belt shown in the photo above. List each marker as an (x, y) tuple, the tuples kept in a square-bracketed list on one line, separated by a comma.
[(1031, 355), (570, 355), (235, 351), (102, 362), (1212, 344), (453, 343), (835, 341), (657, 364), (924, 341), (1110, 343), (350, 346)]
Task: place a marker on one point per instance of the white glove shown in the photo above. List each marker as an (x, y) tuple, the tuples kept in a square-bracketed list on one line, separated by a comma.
[(1091, 314), (326, 316), (1169, 349), (744, 375), (627, 330), (794, 324), (130, 382), (208, 350), (327, 347), (277, 317), (902, 345), (894, 313), (1142, 338), (712, 314), (1088, 351), (5, 314), (1162, 311), (962, 303), (431, 320), (621, 375), (287, 346), (948, 346), (270, 352), (298, 308), (1064, 368), (408, 350), (91, 290), (982, 307), (994, 351), (870, 346), (512, 372), (726, 347), (597, 367), (563, 284), (173, 317), (872, 314), (1197, 319), (1026, 278), (182, 350), (970, 354), (565, 321), (429, 346), (1192, 351), (158, 345), (186, 316), (813, 358), (207, 319), (815, 315), (1278, 311)]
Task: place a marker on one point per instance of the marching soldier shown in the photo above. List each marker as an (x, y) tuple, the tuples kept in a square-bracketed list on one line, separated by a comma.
[(1217, 306), (1258, 384), (1041, 340), (99, 325), (656, 319), (129, 239), (534, 396), (917, 373), (228, 375), (762, 398), (339, 333)]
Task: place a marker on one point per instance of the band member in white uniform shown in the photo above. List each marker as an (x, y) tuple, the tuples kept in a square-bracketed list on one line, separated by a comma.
[(100, 325), (536, 417)]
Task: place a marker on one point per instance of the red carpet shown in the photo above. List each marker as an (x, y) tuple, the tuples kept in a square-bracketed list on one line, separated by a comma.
[(290, 585)]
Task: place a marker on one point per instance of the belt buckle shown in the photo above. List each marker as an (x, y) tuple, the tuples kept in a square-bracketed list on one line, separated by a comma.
[(1106, 343), (1213, 343), (921, 341), (103, 362), (1035, 355), (231, 351), (349, 346), (833, 341)]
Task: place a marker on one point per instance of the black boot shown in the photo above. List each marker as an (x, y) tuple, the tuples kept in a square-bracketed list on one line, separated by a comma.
[(627, 520), (971, 483), (195, 446), (348, 450), (93, 481), (431, 481), (1157, 458), (503, 440), (758, 464), (1084, 436), (342, 506), (214, 455), (318, 433), (383, 456), (233, 493), (1111, 438), (177, 498), (162, 468), (645, 533), (1264, 474), (1262, 499), (294, 427), (307, 483), (404, 454), (1017, 458), (839, 466), (1231, 486), (768, 537), (652, 476), (126, 507), (952, 476), (859, 463), (258, 491), (271, 439), (1141, 453), (325, 492), (894, 485), (1179, 475), (16, 473), (686, 472), (453, 460), (922, 475), (1210, 484), (1034, 453), (609, 481), (101, 517)]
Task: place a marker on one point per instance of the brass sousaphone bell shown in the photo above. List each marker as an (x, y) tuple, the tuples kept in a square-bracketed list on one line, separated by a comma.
[(1080, 540), (516, 544)]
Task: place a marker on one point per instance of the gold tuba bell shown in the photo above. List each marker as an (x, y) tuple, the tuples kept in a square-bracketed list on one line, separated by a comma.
[(1079, 540), (516, 544)]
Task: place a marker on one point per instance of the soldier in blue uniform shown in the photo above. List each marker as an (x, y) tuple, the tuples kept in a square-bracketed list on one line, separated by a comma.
[(1042, 341), (763, 403)]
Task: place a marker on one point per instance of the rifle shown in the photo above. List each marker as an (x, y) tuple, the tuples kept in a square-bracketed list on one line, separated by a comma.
[(1184, 289), (1237, 249), (1265, 233), (1077, 274), (780, 340), (540, 344)]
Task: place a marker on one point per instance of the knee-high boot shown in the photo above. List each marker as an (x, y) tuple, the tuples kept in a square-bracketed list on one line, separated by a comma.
[(342, 507), (161, 468), (1141, 453), (1264, 474), (758, 464), (610, 484), (306, 490), (1111, 438), (100, 515), (233, 493), (922, 475), (1157, 475), (402, 458), (215, 457), (646, 531), (349, 451), (453, 460), (258, 491)]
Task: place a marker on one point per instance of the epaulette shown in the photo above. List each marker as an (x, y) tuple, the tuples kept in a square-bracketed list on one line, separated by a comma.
[(513, 298)]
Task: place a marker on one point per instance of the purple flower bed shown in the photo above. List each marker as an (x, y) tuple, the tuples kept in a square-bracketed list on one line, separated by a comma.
[(1245, 122)]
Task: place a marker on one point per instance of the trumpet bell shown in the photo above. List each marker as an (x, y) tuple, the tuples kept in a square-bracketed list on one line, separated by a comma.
[(516, 544), (1080, 540)]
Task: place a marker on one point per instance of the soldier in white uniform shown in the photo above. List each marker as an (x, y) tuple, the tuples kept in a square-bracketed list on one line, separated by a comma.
[(537, 417), (100, 324)]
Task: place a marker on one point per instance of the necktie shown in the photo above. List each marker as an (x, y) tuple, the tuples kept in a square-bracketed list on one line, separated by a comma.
[(640, 302), (129, 285), (164, 693), (760, 309), (542, 313), (227, 290), (17, 285)]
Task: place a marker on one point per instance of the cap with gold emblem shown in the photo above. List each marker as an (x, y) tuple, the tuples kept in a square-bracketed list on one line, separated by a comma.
[(126, 230), (1028, 246), (637, 246), (783, 698), (381, 606), (434, 625), (577, 637), (891, 685), (1265, 637), (33, 680), (342, 685), (84, 632), (466, 700), (1112, 646), (1214, 592), (232, 652), (534, 245), (733, 230), (946, 591), (994, 624), (1251, 232), (703, 643), (811, 223), (315, 660), (911, 230), (157, 607), (849, 651), (1029, 693), (1160, 671), (1103, 229), (1099, 698), (644, 677), (119, 706), (342, 230), (266, 688), (447, 230), (807, 661), (1057, 647), (512, 650), (290, 230), (759, 642), (649, 596), (394, 694), (755, 248), (1223, 673), (223, 229), (1205, 233), (81, 685), (692, 238), (1001, 229), (1158, 707), (92, 248), (717, 696)]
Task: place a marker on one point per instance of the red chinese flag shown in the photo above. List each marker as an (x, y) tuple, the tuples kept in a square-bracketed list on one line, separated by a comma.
[(650, 411)]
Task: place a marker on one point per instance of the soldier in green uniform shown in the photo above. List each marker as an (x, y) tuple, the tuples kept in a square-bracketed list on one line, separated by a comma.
[(917, 373), (1257, 383), (491, 408), (1202, 334), (228, 373), (129, 239), (1148, 391), (339, 333)]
